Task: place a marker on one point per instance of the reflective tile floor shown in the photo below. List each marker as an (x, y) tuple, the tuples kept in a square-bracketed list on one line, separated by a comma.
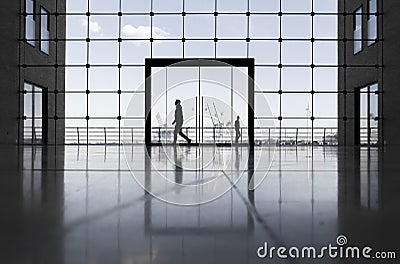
[(132, 204)]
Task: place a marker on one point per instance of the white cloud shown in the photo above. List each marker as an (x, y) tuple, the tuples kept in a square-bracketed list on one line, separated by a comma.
[(143, 32), (93, 26)]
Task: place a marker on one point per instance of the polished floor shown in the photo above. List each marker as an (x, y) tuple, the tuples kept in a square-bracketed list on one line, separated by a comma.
[(132, 204)]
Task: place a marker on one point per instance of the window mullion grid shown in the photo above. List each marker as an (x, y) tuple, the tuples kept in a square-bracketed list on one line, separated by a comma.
[(183, 29), (280, 71), (248, 31), (381, 86), (215, 27), (119, 71), (20, 103), (312, 73), (151, 27), (344, 117), (56, 72), (87, 71)]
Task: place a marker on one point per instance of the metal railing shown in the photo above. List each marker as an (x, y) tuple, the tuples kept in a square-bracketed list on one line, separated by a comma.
[(262, 135)]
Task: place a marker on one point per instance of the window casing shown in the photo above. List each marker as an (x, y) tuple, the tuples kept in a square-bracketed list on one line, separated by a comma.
[(372, 21), (44, 30), (33, 114), (357, 30), (30, 32)]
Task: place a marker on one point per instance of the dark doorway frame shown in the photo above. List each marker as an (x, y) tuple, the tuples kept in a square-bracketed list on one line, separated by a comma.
[(199, 62)]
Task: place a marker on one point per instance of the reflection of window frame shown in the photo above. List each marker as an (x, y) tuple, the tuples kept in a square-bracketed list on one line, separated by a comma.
[(357, 30), (30, 22), (44, 30), (372, 20)]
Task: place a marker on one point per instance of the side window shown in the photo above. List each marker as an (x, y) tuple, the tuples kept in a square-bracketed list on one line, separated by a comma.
[(30, 32), (44, 30), (357, 30), (372, 21)]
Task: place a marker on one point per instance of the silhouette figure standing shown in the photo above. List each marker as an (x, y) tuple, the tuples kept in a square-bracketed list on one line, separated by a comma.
[(237, 129), (179, 122)]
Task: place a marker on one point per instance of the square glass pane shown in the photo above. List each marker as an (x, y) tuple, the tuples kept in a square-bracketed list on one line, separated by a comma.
[(267, 79), (170, 6), (137, 6), (75, 79), (200, 6), (167, 27), (109, 6), (325, 53), (99, 56), (273, 103), (296, 6), (298, 27), (326, 6), (103, 105), (103, 79), (76, 52), (296, 79), (232, 26), (132, 79), (132, 105), (103, 27), (296, 52), (326, 79), (75, 106), (168, 49), (264, 26), (194, 30), (134, 52), (265, 52), (137, 31), (325, 27), (231, 49), (200, 49), (74, 6), (270, 6), (325, 105), (296, 105), (232, 6)]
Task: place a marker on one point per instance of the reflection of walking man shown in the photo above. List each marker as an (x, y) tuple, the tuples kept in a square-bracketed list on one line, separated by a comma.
[(237, 129), (179, 122)]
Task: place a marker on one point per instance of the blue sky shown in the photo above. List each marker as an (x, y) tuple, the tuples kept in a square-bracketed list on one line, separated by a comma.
[(202, 27)]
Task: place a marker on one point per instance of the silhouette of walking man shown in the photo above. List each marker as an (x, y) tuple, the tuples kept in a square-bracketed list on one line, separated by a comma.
[(179, 122), (237, 129)]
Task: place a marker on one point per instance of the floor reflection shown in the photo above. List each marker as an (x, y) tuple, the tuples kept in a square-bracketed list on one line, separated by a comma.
[(86, 204)]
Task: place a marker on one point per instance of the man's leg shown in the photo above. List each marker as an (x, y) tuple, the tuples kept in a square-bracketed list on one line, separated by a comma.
[(184, 136)]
